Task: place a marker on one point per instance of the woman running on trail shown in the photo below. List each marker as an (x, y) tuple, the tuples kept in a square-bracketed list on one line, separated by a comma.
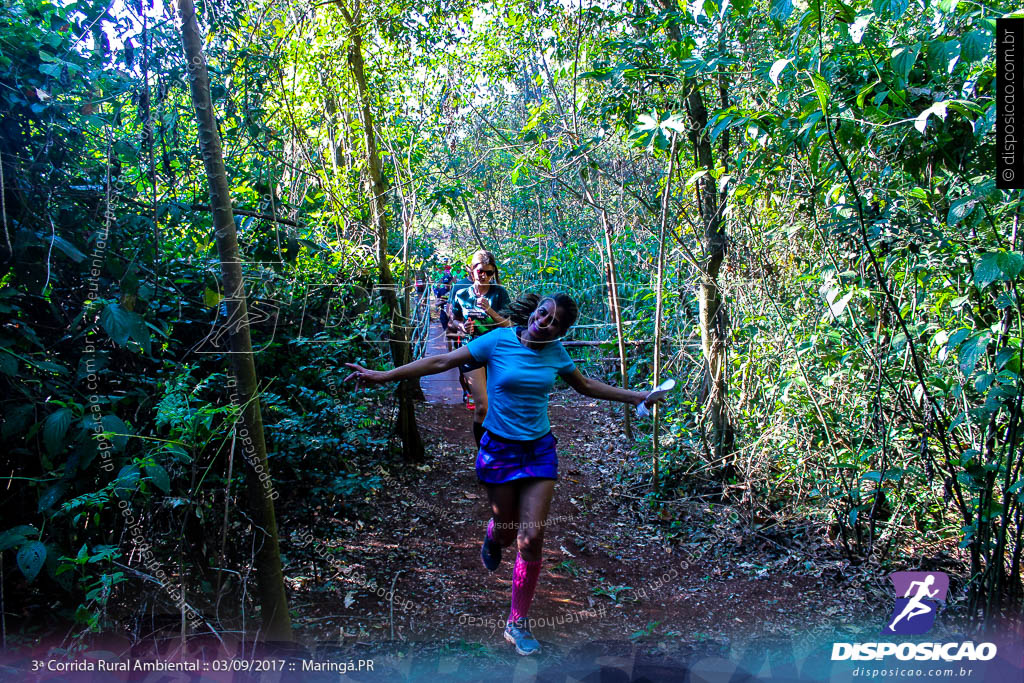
[(476, 310), (517, 461)]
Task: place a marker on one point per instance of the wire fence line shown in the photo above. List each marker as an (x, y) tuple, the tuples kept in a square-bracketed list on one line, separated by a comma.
[(420, 324), (320, 312)]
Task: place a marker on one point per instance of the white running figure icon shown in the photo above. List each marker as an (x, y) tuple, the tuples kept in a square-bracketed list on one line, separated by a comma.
[(915, 607)]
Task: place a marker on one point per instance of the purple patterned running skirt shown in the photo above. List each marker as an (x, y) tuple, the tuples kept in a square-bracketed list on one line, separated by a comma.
[(502, 460)]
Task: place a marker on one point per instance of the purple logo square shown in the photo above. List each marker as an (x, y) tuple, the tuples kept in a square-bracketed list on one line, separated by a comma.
[(917, 598)]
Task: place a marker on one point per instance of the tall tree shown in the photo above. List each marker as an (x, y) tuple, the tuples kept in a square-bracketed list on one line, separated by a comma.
[(412, 443), (273, 601), (710, 207)]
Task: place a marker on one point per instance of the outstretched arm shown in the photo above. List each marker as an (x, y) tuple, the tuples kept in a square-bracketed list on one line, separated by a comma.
[(597, 389), (431, 365)]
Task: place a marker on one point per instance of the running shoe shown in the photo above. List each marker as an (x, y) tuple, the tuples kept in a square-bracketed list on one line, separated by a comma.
[(490, 553), (517, 634), (470, 404)]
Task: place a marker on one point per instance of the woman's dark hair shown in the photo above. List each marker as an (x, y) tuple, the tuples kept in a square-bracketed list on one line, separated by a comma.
[(569, 309), (521, 309)]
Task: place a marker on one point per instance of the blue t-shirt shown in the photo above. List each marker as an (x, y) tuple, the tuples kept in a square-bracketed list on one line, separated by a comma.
[(519, 381)]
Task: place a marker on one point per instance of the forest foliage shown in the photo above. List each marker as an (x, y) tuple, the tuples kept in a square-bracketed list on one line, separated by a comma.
[(804, 189)]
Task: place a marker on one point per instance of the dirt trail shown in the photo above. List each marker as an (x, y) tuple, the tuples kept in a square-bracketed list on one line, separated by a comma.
[(614, 575)]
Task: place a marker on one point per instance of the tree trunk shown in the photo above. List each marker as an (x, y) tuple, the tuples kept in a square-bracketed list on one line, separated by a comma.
[(472, 223), (273, 601), (412, 444), (660, 300), (713, 320)]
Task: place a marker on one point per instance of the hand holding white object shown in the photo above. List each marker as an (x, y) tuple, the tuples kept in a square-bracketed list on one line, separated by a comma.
[(657, 394)]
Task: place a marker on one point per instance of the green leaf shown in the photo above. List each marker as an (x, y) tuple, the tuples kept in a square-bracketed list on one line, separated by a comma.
[(645, 130), (986, 270), (967, 480), (902, 59), (52, 69), (55, 428), (959, 210), (140, 333), (30, 559), (954, 341), (983, 382), (1011, 264), (16, 536), (15, 419), (125, 148), (676, 122), (822, 90), (122, 325), (211, 298), (47, 366), (51, 496), (967, 456), (8, 365), (976, 45), (9, 540), (159, 477), (127, 481), (844, 13), (943, 55), (997, 265), (893, 9), (118, 429), (865, 91), (117, 321), (179, 453), (721, 125), (972, 350), (63, 577)]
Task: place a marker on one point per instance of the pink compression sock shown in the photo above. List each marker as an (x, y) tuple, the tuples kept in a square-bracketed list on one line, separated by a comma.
[(524, 584), (490, 529)]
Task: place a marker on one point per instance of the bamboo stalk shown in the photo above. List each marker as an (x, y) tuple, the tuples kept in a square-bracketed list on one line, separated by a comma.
[(659, 305)]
